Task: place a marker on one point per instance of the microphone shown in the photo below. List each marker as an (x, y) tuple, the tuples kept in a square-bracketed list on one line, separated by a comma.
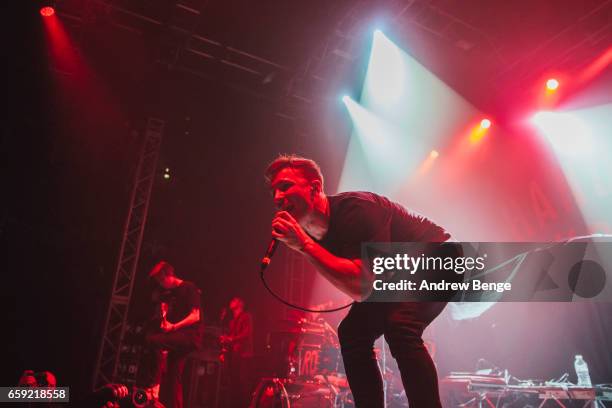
[(269, 252)]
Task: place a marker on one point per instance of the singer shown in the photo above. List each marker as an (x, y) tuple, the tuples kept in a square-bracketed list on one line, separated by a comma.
[(328, 231)]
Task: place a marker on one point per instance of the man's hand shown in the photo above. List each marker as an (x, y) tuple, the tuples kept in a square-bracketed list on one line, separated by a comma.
[(118, 391), (166, 326), (285, 228)]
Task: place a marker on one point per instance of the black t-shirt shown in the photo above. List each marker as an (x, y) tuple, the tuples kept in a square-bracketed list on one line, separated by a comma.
[(358, 217), (181, 301)]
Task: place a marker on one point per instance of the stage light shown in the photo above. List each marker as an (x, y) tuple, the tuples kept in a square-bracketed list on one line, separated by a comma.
[(345, 98), (47, 11), (568, 133), (479, 131), (396, 120), (369, 127), (552, 84), (434, 154), (386, 76)]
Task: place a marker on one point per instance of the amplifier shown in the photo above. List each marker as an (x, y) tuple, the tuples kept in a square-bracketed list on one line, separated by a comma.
[(202, 380)]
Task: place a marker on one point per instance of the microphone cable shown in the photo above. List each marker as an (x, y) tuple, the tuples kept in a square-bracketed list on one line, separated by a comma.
[(303, 309)]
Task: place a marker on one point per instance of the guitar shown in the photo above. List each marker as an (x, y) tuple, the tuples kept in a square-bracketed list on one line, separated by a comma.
[(164, 324)]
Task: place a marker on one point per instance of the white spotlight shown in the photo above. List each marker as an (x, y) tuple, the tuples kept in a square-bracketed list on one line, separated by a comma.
[(566, 132), (386, 71)]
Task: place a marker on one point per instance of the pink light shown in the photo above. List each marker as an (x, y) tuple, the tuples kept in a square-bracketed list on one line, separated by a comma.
[(47, 11)]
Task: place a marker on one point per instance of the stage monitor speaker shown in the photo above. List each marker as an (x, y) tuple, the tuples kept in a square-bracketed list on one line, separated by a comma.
[(202, 382)]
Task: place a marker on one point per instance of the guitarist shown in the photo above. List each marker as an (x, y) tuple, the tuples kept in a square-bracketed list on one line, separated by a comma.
[(238, 353), (180, 332)]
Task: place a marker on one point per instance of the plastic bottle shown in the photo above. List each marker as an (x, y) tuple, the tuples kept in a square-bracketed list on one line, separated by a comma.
[(582, 371)]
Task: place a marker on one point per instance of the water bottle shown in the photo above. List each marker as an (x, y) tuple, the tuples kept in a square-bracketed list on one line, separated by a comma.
[(582, 372)]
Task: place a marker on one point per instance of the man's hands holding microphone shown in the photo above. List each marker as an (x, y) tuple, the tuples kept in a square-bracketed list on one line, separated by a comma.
[(286, 229)]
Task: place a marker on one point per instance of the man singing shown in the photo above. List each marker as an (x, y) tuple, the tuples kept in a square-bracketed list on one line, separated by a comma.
[(329, 231), (180, 332)]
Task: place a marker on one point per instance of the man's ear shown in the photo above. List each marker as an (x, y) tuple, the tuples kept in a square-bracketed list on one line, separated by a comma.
[(316, 186)]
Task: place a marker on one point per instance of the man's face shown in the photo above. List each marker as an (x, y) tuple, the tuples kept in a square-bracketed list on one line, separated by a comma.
[(235, 304), (163, 280), (293, 193)]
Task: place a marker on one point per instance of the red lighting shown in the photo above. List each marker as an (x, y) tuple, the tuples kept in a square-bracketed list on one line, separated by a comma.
[(47, 11), (552, 84)]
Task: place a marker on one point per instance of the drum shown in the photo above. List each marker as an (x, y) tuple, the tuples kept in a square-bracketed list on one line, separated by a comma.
[(279, 393), (309, 360), (330, 360), (302, 349), (293, 352)]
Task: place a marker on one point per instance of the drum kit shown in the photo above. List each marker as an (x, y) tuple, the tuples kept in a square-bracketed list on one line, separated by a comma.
[(306, 368)]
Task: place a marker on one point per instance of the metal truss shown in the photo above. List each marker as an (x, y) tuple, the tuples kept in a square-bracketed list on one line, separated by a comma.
[(117, 313), (340, 47), (297, 89), (426, 16), (570, 49)]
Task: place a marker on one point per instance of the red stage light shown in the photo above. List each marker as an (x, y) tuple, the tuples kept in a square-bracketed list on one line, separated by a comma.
[(552, 84), (47, 11), (485, 123)]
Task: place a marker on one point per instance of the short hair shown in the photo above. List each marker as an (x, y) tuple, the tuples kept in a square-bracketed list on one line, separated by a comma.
[(162, 267), (310, 169), (238, 299), (46, 379)]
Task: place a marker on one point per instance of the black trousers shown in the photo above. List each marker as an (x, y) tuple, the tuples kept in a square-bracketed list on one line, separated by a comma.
[(402, 324), (240, 380), (178, 344)]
